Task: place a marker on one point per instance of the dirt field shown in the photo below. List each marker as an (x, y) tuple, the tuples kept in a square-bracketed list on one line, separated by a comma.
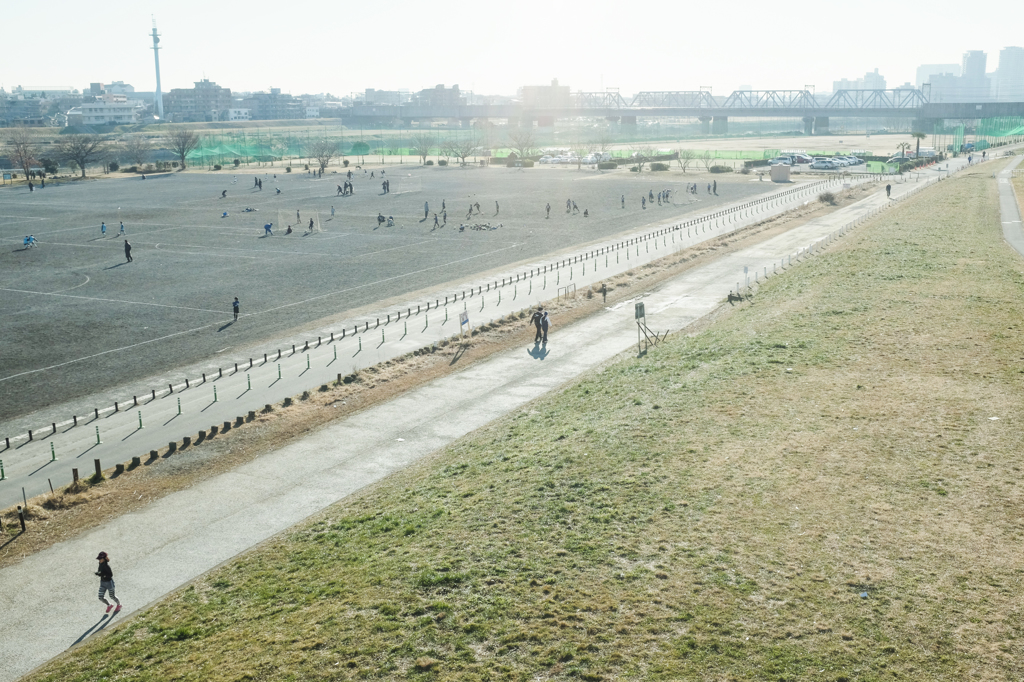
[(80, 319)]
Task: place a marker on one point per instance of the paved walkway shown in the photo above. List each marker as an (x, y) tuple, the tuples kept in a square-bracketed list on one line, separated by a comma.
[(1009, 209), (173, 409), (49, 602)]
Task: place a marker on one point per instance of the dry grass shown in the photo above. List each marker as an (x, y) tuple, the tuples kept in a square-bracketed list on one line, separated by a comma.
[(712, 511), (70, 512)]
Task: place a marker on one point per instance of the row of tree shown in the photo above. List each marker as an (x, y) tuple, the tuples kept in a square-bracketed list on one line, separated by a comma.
[(25, 152)]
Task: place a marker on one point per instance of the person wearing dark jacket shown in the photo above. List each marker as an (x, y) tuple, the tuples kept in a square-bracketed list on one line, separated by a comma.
[(107, 582), (538, 315)]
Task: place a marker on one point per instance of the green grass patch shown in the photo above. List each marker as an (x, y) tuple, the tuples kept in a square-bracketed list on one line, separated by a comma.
[(712, 511)]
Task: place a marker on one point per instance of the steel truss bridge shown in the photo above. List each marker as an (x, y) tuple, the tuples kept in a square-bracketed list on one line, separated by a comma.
[(701, 104)]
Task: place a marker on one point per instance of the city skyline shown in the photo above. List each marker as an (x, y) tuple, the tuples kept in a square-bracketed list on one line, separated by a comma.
[(491, 52)]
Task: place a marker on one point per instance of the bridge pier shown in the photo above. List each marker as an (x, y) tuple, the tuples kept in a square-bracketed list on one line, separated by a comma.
[(545, 121), (628, 121), (465, 123), (808, 125), (705, 125), (720, 125), (821, 125)]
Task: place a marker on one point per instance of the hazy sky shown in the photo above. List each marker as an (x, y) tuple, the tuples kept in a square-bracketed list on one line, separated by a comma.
[(492, 47)]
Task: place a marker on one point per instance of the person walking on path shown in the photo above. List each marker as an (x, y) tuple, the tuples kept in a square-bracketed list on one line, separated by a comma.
[(623, 199), (122, 232), (107, 582), (547, 209), (103, 229), (234, 308), (426, 210), (128, 250), (536, 318), (545, 322), (888, 191)]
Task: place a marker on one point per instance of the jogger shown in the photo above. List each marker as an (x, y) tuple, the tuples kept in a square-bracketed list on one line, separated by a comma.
[(107, 582)]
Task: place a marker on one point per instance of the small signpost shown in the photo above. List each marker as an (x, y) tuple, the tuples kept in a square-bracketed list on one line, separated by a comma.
[(464, 322), (645, 336)]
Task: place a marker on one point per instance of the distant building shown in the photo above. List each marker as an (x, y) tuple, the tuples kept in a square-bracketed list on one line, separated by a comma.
[(108, 110), (974, 83), (312, 112), (239, 115), (872, 80), (273, 105), (926, 71), (382, 97), (1009, 77), (439, 96), (552, 96), (207, 101)]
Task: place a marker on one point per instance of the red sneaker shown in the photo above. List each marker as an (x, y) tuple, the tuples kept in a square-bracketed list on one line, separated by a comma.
[(109, 606), (118, 608)]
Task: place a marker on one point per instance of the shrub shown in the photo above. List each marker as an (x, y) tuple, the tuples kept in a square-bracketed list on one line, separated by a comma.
[(132, 169), (174, 164), (527, 163), (305, 395), (634, 169), (745, 170), (430, 162), (360, 149), (658, 166), (442, 162), (49, 165), (827, 198), (237, 162), (288, 169), (305, 166), (113, 166), (607, 165), (755, 163), (345, 163), (721, 169), (216, 166)]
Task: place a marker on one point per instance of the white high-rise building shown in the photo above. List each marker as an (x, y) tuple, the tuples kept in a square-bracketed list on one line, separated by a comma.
[(1009, 77)]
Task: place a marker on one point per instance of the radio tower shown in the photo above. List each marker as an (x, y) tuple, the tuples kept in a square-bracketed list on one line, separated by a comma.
[(157, 96)]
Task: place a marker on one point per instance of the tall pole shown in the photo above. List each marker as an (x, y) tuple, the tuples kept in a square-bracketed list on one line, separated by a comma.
[(157, 96)]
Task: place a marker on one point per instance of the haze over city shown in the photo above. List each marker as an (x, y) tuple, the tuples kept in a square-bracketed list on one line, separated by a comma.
[(489, 48)]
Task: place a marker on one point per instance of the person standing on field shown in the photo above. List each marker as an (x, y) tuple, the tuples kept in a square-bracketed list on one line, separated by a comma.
[(103, 229), (107, 582), (234, 308), (128, 250), (536, 319), (545, 322)]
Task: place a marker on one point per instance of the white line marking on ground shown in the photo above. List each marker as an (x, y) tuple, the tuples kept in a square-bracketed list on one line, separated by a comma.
[(111, 300)]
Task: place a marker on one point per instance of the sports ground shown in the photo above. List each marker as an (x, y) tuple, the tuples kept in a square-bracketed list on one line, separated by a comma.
[(78, 318)]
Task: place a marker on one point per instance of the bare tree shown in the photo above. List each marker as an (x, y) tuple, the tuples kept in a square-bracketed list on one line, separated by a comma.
[(603, 141), (21, 149), (686, 157), (323, 150), (580, 148), (183, 142), (80, 148), (137, 149), (522, 142), (421, 145), (706, 160), (461, 148), (640, 155)]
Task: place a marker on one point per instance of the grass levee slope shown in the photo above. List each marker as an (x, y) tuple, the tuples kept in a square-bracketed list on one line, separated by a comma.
[(714, 510)]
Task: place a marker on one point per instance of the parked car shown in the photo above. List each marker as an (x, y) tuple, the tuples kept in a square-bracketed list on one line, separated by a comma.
[(840, 162), (781, 161), (545, 159), (823, 164), (589, 159), (802, 158), (855, 160)]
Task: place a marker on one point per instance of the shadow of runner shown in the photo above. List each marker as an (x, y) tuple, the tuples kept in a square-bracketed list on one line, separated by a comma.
[(100, 624)]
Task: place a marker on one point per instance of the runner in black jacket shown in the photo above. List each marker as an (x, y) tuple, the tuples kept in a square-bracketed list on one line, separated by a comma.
[(107, 582)]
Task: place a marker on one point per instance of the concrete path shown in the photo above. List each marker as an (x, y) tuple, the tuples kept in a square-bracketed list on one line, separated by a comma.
[(1009, 209), (172, 409), (50, 602)]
